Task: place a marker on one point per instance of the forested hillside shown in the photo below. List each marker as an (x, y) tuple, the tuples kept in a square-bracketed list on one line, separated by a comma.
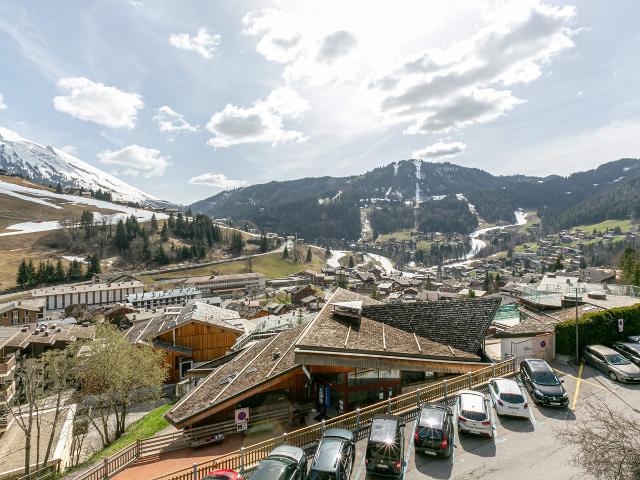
[(328, 207)]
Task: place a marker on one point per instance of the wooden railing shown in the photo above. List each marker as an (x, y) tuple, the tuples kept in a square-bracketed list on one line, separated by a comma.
[(172, 441), (248, 457), (43, 472)]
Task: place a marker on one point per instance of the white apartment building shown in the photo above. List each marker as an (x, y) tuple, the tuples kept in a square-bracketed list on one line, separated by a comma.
[(227, 284), (61, 296), (161, 298)]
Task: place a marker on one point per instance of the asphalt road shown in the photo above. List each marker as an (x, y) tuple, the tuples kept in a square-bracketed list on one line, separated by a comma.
[(521, 449)]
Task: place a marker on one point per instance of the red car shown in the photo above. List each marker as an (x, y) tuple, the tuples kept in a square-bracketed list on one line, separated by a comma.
[(223, 475)]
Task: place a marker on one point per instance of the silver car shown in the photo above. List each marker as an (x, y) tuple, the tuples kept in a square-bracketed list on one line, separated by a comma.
[(612, 363)]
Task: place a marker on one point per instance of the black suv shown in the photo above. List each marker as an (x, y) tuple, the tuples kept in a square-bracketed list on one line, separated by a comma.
[(283, 463), (542, 383), (385, 447), (334, 456), (434, 431)]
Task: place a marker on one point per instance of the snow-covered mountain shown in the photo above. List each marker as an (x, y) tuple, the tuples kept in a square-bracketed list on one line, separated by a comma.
[(49, 165)]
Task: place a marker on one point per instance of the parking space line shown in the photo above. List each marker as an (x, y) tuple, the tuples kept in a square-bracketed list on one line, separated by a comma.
[(579, 380), (360, 466), (407, 455), (583, 381)]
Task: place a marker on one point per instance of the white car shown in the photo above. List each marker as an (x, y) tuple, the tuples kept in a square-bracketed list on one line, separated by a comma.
[(507, 397), (474, 413)]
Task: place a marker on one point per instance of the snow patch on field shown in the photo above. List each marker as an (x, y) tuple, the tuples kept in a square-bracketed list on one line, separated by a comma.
[(41, 196)]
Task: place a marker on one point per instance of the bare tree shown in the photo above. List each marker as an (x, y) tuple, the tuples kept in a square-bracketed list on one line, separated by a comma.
[(115, 375), (596, 453)]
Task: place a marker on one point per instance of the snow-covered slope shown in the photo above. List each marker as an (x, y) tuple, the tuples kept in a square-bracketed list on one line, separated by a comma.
[(49, 165)]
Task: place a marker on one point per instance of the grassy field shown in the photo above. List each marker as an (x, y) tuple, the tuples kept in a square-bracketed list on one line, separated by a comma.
[(399, 235), (272, 265), (527, 246), (625, 226)]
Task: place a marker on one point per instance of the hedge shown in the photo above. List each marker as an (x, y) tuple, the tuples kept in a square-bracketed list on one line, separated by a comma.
[(597, 328)]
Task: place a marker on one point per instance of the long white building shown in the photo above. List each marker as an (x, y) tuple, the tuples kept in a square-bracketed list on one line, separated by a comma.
[(225, 285), (60, 297)]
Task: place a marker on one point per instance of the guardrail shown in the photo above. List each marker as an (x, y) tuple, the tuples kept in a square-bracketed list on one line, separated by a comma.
[(248, 457)]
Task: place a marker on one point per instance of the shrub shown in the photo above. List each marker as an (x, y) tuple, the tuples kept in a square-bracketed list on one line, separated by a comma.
[(597, 328)]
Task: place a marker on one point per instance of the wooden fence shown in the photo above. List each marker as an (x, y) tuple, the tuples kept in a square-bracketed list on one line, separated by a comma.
[(248, 457)]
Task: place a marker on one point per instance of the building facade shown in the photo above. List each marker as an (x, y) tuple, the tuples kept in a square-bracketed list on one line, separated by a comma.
[(62, 296)]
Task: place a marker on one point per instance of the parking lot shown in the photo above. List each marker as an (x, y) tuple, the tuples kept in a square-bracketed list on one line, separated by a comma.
[(520, 448)]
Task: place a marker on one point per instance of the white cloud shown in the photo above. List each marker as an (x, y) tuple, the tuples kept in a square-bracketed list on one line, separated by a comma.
[(452, 87), (440, 150), (171, 122), (335, 45), (202, 42), (3, 105), (70, 149), (393, 69), (137, 160), (262, 122), (95, 102), (217, 180)]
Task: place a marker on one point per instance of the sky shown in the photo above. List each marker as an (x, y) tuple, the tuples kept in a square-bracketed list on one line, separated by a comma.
[(186, 99)]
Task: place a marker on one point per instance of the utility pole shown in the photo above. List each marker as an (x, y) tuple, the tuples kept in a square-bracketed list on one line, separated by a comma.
[(577, 352)]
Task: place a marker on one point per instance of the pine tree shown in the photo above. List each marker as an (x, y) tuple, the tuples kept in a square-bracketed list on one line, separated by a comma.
[(327, 252), (94, 266), (58, 188), (121, 239), (309, 255), (237, 244), (351, 262), (59, 274), (486, 284), (154, 223), (31, 274), (285, 253), (164, 233), (75, 271), (22, 277)]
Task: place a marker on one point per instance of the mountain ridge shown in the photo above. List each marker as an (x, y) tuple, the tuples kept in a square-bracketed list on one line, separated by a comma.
[(329, 206), (50, 165)]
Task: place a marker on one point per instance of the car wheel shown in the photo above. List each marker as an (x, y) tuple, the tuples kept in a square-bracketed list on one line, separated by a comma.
[(613, 376)]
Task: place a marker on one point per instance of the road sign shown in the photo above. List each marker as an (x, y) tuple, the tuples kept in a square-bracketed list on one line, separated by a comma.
[(621, 325), (242, 415), (241, 427)]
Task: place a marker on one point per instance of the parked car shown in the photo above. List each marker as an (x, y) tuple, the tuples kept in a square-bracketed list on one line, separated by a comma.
[(543, 384), (385, 446), (334, 456), (474, 415), (223, 475), (617, 366), (283, 463), (434, 432), (634, 338), (508, 398), (629, 350)]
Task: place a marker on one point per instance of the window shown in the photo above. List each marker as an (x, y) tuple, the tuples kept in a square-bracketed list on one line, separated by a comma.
[(15, 317)]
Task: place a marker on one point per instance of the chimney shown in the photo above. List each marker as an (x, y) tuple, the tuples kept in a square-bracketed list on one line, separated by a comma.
[(276, 353)]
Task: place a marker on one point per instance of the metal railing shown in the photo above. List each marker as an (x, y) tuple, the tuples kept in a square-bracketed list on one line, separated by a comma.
[(248, 457)]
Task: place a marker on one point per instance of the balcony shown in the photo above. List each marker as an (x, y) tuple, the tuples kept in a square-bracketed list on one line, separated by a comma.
[(7, 364)]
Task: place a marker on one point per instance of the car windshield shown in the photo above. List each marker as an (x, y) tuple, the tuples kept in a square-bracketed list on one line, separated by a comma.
[(512, 397), (320, 475), (270, 469), (430, 433), (545, 378), (617, 360)]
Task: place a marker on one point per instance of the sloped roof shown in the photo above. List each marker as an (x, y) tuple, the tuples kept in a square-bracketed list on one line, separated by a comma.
[(459, 323), (192, 311), (252, 366)]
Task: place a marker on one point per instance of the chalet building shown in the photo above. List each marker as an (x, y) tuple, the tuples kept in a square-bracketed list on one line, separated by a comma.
[(35, 339), (62, 296), (355, 351), (150, 300), (298, 293), (195, 333), (228, 285), (20, 312)]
